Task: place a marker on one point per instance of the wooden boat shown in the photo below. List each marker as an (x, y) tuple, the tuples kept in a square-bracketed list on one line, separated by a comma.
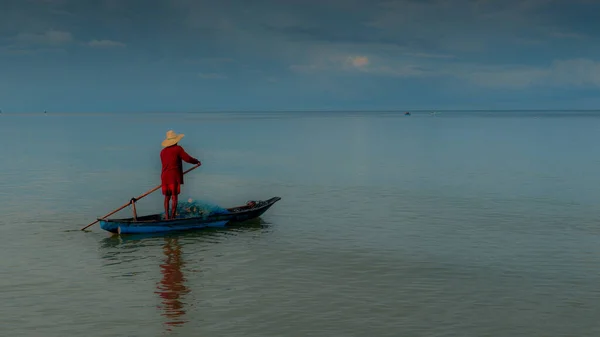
[(155, 223)]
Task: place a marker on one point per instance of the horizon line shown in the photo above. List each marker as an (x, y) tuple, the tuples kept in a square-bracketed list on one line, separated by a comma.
[(306, 110)]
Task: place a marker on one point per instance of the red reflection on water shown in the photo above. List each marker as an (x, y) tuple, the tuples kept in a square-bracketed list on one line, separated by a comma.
[(171, 287)]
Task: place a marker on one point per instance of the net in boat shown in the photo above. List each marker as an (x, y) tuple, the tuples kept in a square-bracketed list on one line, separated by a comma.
[(198, 208)]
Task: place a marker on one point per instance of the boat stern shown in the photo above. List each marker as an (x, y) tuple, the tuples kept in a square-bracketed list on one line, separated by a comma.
[(109, 225)]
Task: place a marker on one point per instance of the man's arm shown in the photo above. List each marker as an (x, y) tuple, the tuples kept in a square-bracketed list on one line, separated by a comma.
[(187, 158)]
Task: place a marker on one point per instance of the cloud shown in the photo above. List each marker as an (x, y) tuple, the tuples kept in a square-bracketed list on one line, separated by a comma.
[(471, 44), (51, 37), (568, 72), (106, 44), (328, 59), (359, 61), (212, 76), (403, 71), (517, 77), (430, 55), (473, 26), (566, 35), (395, 38), (578, 72), (210, 60), (304, 67), (16, 51), (332, 61), (49, 2)]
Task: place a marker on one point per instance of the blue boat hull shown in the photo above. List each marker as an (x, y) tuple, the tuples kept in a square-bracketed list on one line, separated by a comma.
[(160, 227), (155, 223)]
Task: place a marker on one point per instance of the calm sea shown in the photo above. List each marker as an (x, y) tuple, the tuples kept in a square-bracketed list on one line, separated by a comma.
[(458, 224)]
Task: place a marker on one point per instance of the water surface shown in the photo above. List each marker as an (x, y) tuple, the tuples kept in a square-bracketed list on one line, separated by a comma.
[(459, 224)]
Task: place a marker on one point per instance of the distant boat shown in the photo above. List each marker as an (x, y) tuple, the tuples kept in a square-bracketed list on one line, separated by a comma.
[(407, 113)]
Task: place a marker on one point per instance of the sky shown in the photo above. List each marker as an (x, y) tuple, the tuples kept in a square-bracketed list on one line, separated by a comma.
[(197, 55)]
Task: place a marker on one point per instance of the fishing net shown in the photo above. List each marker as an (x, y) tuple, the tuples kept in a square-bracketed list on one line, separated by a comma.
[(198, 208)]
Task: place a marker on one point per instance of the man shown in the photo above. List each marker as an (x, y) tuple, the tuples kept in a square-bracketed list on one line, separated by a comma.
[(172, 170)]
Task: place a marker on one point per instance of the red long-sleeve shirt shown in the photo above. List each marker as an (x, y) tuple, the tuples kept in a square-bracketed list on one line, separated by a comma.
[(172, 168)]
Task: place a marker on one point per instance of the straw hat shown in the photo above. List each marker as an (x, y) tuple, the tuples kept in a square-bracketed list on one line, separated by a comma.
[(172, 138)]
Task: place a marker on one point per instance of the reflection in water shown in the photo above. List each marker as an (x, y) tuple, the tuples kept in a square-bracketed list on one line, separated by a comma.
[(117, 250), (171, 287)]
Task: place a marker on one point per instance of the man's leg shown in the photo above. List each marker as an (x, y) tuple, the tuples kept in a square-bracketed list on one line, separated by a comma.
[(174, 206), (167, 194), (167, 197), (174, 195)]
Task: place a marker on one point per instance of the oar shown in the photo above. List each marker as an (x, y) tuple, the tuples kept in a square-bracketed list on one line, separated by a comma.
[(138, 198)]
